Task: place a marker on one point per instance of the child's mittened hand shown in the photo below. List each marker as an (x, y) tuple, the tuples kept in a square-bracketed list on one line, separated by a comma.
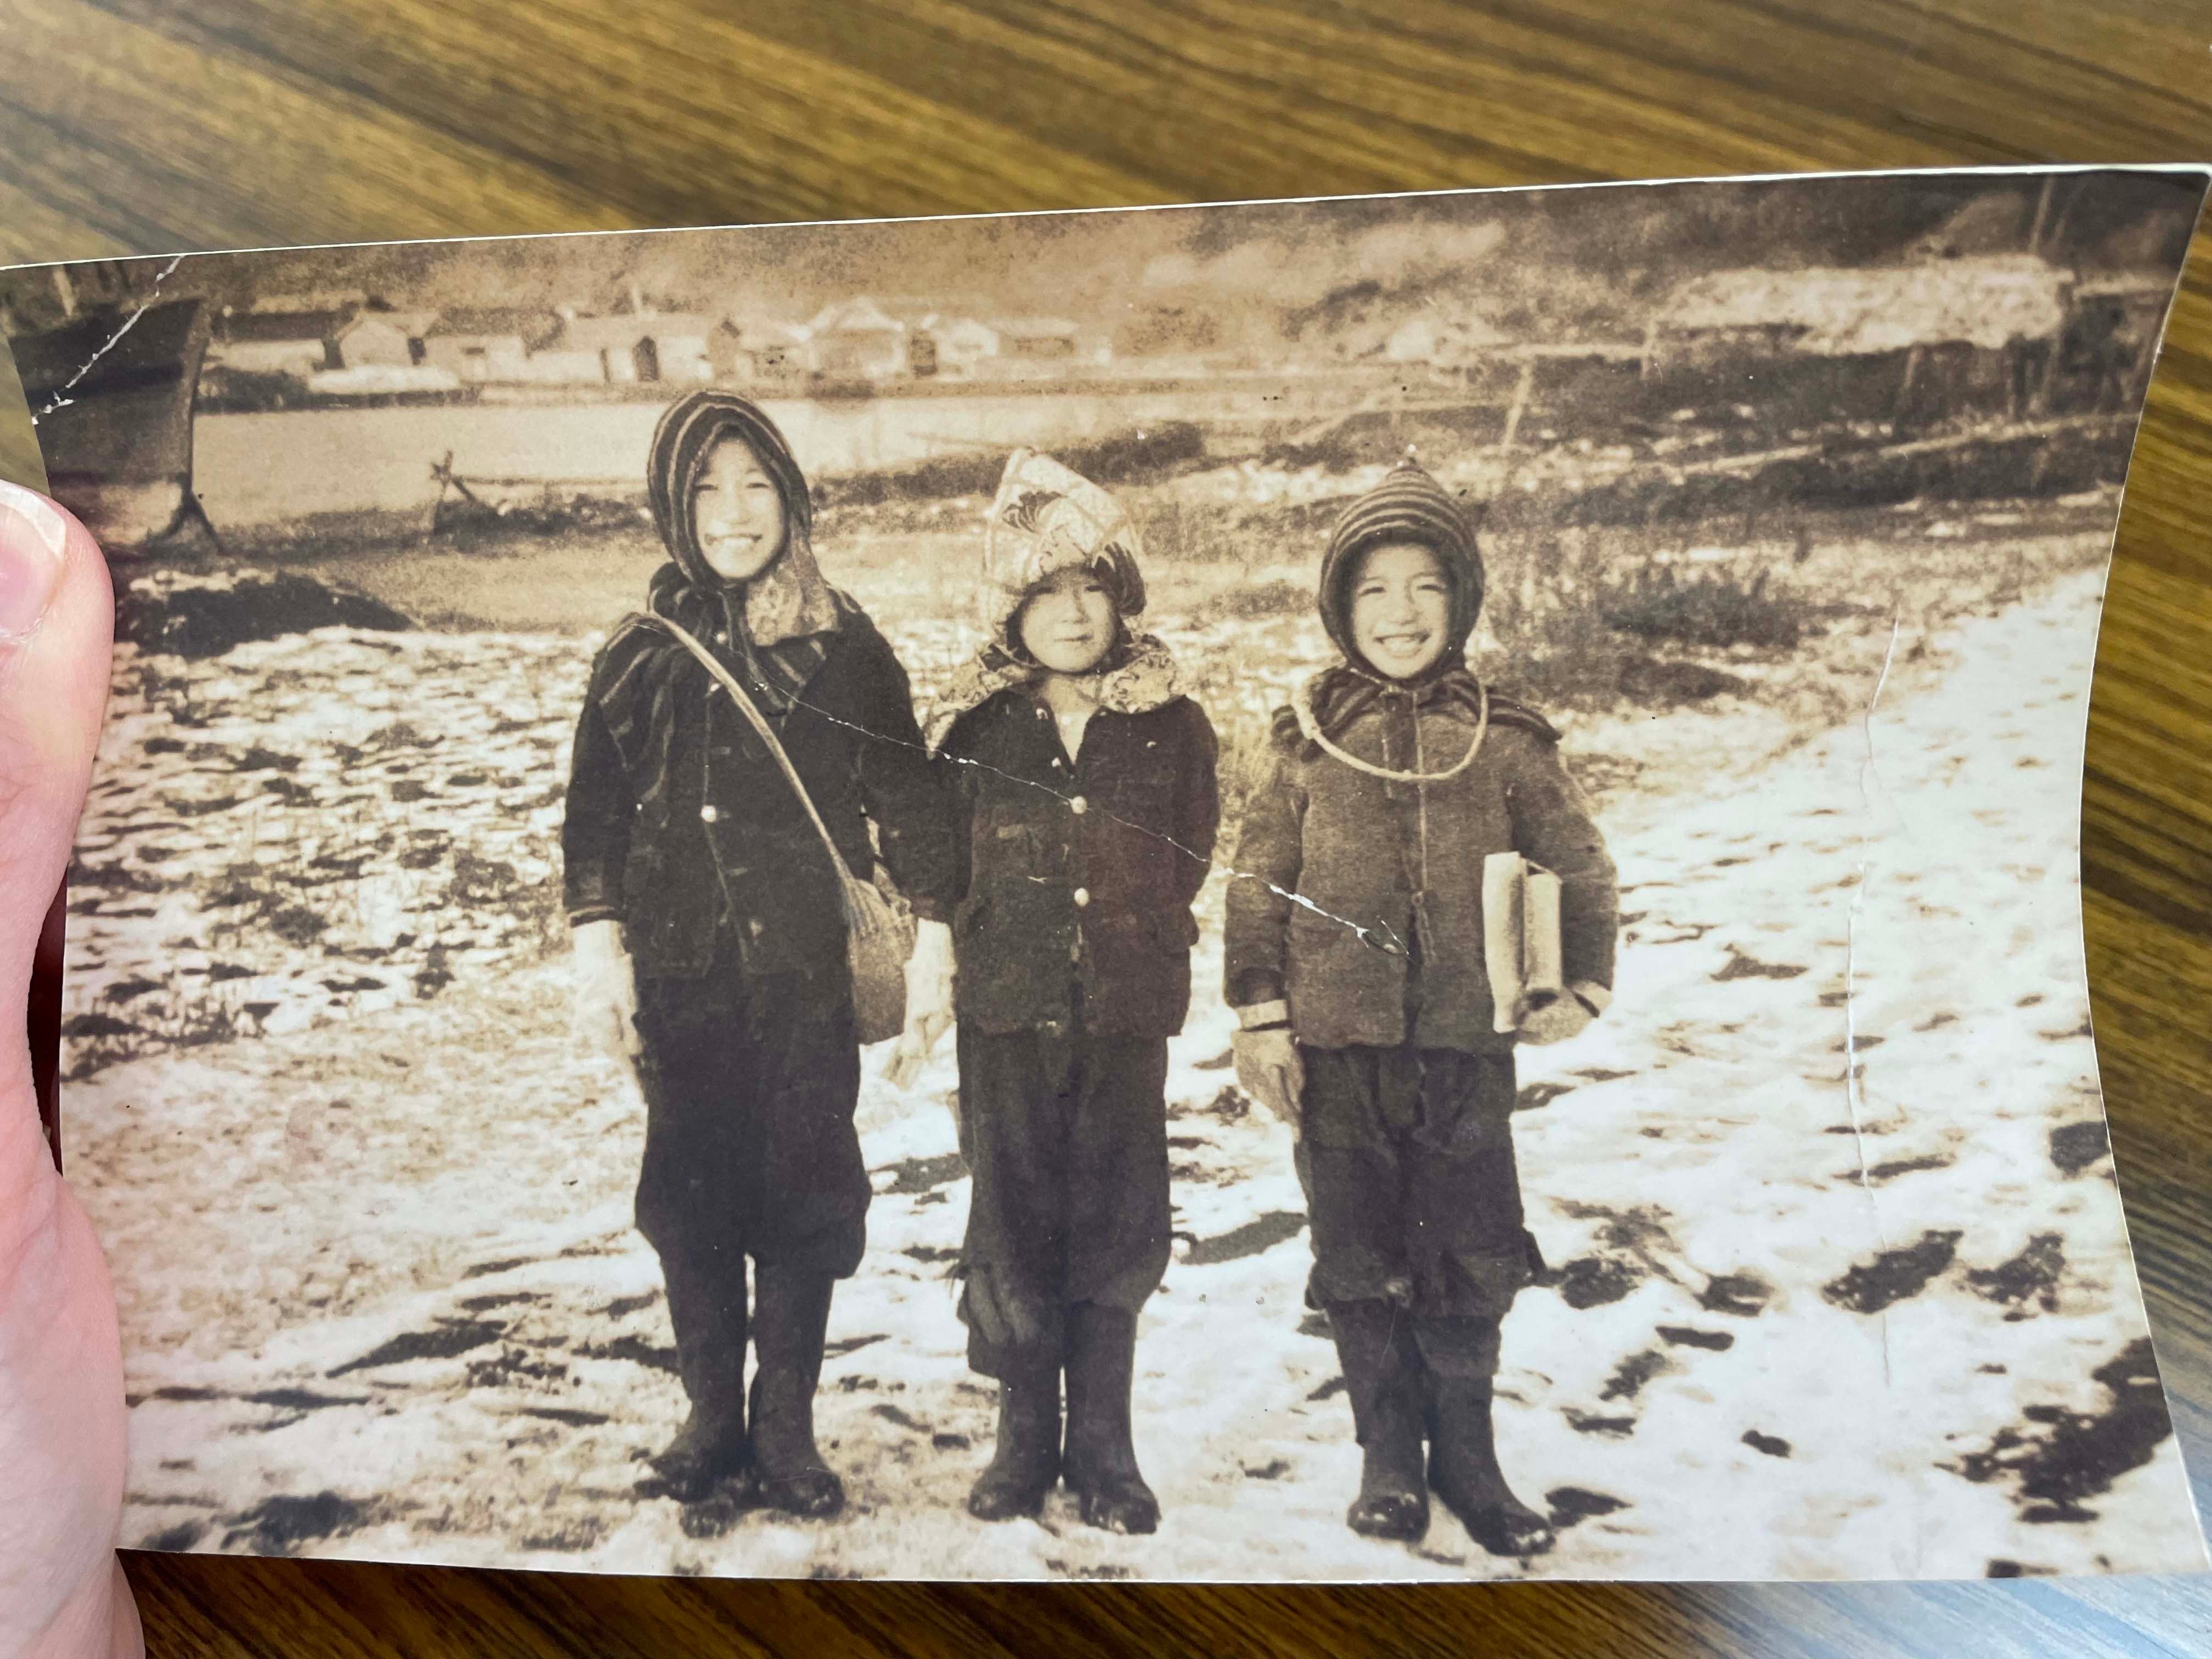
[(1555, 1021), (1269, 1070), (929, 977), (606, 1010), (929, 985)]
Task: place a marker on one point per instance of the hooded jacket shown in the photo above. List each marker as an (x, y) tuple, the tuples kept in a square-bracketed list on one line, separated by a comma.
[(680, 823), (1356, 889), (1076, 872)]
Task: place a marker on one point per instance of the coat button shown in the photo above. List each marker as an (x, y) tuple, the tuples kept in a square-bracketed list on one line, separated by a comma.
[(708, 814), (1078, 806), (1082, 896)]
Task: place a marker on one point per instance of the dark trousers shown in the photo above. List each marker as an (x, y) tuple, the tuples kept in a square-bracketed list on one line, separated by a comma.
[(1411, 1192), (1066, 1132), (750, 1150)]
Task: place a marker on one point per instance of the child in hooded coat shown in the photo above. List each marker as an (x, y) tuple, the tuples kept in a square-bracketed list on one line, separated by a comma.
[(1086, 809), (710, 932), (1365, 1013)]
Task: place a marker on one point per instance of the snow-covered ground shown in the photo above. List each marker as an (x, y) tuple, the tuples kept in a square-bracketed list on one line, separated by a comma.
[(1842, 1284)]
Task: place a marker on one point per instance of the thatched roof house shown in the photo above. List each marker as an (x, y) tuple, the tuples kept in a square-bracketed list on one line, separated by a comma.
[(1989, 303)]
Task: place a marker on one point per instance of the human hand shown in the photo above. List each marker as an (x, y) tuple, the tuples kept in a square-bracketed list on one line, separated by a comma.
[(604, 1016), (62, 1591), (1269, 1070), (929, 991)]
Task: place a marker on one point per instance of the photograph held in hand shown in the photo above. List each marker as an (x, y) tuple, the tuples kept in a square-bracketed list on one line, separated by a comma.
[(1368, 889)]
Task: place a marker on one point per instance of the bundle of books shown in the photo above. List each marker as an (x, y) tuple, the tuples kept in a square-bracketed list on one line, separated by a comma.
[(1520, 937)]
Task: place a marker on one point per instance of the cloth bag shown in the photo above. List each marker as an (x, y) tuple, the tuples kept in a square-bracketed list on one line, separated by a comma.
[(878, 934)]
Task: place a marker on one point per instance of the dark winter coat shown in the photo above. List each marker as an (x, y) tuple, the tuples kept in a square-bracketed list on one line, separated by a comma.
[(1390, 873), (679, 823), (1383, 942), (1077, 876)]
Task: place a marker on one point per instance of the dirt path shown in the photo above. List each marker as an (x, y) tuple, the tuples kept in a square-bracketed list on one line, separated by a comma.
[(1841, 1283)]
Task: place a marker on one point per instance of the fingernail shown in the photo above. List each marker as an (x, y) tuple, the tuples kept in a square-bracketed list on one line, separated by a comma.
[(33, 537)]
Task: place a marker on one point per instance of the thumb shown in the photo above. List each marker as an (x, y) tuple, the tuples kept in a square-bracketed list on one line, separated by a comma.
[(56, 619)]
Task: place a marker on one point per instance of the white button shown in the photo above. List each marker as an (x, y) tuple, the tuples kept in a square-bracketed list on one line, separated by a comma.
[(1078, 806), (1042, 714), (708, 814), (1082, 896)]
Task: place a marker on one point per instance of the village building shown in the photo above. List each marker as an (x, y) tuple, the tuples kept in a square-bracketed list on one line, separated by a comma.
[(381, 339), (481, 345), (750, 351), (294, 343), (1037, 339), (857, 339), (557, 366), (1905, 342), (629, 349), (339, 301), (962, 346)]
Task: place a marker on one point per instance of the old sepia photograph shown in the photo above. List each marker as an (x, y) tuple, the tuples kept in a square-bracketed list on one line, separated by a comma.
[(1370, 889)]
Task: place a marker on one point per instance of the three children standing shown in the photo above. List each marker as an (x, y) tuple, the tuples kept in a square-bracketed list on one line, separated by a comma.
[(1052, 844)]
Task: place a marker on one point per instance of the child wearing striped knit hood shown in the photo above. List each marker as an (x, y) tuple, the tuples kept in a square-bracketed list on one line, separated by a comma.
[(1365, 1013)]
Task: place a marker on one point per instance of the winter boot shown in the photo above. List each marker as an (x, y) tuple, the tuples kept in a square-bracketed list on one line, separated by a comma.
[(1460, 1357), (1382, 1376), (710, 1450), (1100, 1463), (788, 1325), (1026, 1465)]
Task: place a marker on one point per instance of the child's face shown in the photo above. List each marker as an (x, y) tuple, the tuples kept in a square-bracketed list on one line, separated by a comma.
[(1400, 609), (738, 511), (1068, 624)]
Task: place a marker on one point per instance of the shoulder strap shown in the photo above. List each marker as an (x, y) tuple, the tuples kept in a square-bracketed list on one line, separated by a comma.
[(746, 706)]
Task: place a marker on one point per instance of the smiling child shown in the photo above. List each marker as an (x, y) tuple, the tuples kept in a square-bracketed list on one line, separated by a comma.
[(1086, 812), (1365, 1015)]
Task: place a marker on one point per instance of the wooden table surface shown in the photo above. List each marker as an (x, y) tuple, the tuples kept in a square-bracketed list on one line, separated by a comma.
[(142, 126)]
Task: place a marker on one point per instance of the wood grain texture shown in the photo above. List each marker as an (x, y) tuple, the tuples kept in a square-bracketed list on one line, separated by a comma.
[(155, 125)]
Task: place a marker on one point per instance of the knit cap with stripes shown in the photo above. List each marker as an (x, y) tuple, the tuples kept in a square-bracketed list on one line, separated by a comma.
[(1407, 505)]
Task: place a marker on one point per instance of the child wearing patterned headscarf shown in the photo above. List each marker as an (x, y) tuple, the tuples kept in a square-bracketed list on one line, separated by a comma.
[(710, 929), (1366, 1010), (1085, 814)]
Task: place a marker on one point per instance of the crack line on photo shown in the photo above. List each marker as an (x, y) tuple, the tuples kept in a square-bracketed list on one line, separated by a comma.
[(1381, 936), (1869, 772), (61, 399)]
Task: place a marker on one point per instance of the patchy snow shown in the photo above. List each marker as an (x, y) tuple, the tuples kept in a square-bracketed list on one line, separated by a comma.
[(1841, 1281)]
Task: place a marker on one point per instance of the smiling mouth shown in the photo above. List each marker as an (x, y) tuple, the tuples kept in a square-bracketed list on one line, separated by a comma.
[(1401, 643)]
